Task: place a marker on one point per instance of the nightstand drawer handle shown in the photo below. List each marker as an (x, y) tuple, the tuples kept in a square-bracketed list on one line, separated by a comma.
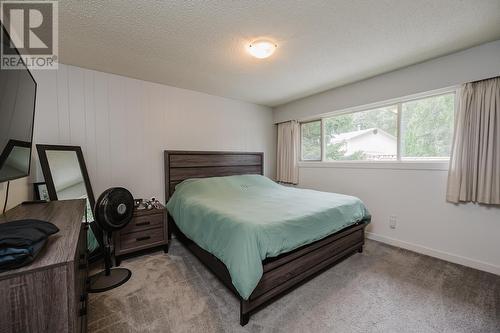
[(142, 223), (142, 238)]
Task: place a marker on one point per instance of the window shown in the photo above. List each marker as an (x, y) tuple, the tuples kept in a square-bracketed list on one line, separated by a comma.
[(419, 129), (310, 134), (366, 135), (427, 127)]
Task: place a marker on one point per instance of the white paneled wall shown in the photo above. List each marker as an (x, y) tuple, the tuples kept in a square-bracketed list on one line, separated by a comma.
[(123, 125)]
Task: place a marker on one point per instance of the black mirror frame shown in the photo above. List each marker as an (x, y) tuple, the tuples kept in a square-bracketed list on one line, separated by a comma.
[(51, 189)]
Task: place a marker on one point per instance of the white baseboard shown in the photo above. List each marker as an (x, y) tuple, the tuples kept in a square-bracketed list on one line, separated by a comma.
[(483, 266)]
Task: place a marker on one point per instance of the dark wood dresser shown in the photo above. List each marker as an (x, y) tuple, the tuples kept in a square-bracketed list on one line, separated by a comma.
[(49, 295), (148, 229)]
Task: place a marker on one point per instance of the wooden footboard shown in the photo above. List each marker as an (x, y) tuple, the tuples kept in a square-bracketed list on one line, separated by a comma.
[(287, 271)]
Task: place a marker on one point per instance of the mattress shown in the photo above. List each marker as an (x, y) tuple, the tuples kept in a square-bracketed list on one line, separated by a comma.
[(245, 219)]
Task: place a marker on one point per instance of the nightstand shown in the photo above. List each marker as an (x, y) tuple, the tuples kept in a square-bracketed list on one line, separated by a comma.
[(147, 230)]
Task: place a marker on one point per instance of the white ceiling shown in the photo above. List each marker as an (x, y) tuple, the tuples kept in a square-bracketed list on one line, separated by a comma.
[(199, 45)]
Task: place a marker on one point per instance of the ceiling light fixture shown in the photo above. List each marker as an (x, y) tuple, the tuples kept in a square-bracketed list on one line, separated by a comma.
[(262, 48)]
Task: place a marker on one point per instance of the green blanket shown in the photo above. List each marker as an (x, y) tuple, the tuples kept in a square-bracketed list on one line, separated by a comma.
[(244, 219)]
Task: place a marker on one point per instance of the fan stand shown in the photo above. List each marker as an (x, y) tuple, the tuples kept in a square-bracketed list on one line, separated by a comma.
[(111, 277)]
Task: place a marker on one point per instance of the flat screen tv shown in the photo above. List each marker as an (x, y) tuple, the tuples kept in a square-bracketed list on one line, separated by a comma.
[(17, 111)]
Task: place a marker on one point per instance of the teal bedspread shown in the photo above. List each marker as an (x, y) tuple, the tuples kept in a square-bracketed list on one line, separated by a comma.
[(244, 219)]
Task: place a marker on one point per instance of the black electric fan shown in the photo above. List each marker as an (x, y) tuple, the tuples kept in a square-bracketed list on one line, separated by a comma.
[(113, 211)]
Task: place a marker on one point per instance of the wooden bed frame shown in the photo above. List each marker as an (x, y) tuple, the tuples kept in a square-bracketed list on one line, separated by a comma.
[(281, 273)]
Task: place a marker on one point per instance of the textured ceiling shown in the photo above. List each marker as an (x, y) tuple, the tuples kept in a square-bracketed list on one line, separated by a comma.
[(199, 45)]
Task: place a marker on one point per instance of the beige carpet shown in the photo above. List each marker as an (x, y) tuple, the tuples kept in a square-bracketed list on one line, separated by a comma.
[(385, 289)]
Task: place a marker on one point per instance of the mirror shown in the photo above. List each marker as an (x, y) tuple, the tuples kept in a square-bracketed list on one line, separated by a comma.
[(66, 177), (66, 174)]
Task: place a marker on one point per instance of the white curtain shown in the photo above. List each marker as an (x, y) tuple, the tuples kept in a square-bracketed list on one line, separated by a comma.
[(287, 152), (474, 174)]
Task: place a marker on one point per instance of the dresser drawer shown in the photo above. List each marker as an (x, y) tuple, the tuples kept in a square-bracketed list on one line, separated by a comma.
[(142, 239), (144, 222)]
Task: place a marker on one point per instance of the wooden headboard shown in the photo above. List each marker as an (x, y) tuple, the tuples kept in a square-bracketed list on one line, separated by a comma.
[(181, 165)]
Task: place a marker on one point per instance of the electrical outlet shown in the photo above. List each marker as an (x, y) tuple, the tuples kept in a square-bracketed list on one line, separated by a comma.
[(392, 221)]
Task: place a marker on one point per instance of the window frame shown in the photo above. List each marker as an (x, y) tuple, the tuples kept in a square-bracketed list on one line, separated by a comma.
[(424, 163)]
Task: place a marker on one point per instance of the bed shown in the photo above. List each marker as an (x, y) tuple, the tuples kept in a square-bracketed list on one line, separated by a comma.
[(252, 233)]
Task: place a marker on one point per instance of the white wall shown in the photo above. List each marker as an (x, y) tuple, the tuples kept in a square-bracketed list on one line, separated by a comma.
[(472, 64), (426, 223), (123, 126)]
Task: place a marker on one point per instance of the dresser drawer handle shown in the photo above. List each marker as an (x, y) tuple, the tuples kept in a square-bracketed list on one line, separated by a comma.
[(142, 238), (142, 223)]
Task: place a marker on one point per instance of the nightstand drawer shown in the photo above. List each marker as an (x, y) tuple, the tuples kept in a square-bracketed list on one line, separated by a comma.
[(147, 230), (144, 222), (140, 239)]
